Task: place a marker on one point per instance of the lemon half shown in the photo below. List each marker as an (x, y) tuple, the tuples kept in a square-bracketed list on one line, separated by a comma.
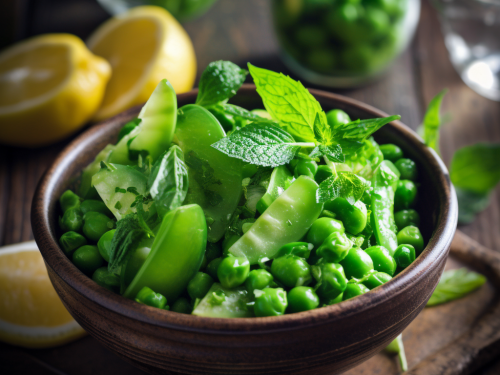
[(31, 313), (50, 86), (143, 46)]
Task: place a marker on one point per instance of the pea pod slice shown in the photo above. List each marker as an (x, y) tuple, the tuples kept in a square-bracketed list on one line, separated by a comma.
[(281, 178), (176, 254), (214, 178), (225, 303), (118, 187), (286, 220), (384, 183)]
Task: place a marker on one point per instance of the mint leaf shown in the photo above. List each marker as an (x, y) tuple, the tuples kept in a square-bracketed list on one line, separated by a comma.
[(322, 133), (333, 153), (360, 130), (243, 114), (476, 168), (345, 185), (219, 82), (168, 181), (455, 284), (289, 103), (125, 240), (366, 159), (432, 122), (470, 204), (261, 144)]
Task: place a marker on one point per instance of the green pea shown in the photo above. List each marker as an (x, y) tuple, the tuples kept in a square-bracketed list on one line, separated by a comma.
[(407, 168), (337, 117), (148, 297), (377, 22), (270, 302), (324, 172), (305, 168), (87, 259), (411, 235), (322, 228), (331, 279), (213, 266), (199, 285), (233, 271), (359, 58), (302, 298), (72, 220), (70, 241), (258, 279), (328, 214), (334, 248), (357, 241), (182, 306), (104, 244), (404, 255), (353, 216), (301, 249), (213, 251), (382, 259), (405, 218), (357, 263), (228, 242), (391, 152), (93, 205), (354, 290), (376, 279), (405, 196), (69, 199), (106, 279), (291, 271), (96, 224)]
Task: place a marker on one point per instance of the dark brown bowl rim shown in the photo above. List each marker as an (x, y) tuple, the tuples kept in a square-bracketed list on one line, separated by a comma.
[(58, 262)]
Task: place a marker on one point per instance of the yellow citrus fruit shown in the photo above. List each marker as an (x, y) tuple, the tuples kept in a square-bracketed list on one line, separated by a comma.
[(50, 86), (31, 313), (143, 46)]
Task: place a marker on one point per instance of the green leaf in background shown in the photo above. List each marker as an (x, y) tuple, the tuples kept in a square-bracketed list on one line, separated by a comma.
[(360, 130), (470, 204), (261, 144), (219, 81), (455, 284), (168, 181), (476, 168), (344, 185), (432, 122), (333, 153), (289, 103)]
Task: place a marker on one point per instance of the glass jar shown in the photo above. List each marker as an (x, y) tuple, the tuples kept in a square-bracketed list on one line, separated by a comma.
[(343, 43)]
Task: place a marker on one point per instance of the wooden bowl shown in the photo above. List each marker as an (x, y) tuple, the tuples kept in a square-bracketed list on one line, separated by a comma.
[(326, 340)]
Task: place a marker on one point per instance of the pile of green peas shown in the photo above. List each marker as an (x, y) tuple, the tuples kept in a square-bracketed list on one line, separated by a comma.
[(343, 36)]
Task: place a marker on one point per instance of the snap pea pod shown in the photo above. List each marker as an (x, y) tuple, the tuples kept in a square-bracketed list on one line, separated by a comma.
[(384, 183), (286, 220), (176, 254), (281, 178), (225, 303), (214, 178), (118, 185)]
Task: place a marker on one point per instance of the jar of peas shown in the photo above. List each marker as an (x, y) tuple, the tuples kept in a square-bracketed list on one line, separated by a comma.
[(343, 43)]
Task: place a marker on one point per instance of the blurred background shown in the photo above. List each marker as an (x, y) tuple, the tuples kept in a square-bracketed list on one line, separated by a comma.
[(393, 55)]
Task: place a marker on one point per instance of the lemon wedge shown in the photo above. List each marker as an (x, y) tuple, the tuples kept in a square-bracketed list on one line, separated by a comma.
[(31, 313), (143, 46), (50, 86)]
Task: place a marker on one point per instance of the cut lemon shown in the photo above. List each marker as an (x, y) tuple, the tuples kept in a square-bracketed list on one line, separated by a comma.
[(143, 46), (50, 86), (31, 313)]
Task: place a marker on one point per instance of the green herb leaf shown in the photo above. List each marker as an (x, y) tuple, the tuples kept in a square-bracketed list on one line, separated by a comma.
[(360, 130), (243, 114), (455, 284), (289, 103), (127, 128), (432, 122), (261, 144), (219, 82), (366, 159), (333, 153), (470, 204), (476, 168), (344, 185), (125, 240), (168, 181)]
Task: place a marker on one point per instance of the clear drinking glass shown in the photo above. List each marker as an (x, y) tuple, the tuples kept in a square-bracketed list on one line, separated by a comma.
[(471, 31)]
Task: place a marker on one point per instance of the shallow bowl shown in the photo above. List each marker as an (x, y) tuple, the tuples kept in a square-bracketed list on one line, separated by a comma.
[(329, 340)]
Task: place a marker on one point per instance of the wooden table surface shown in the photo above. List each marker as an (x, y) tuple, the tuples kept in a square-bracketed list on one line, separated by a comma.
[(241, 31)]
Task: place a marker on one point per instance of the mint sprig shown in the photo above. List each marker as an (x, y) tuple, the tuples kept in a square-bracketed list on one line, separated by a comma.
[(333, 153), (342, 185), (219, 82), (243, 114), (455, 284), (432, 122), (261, 144)]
